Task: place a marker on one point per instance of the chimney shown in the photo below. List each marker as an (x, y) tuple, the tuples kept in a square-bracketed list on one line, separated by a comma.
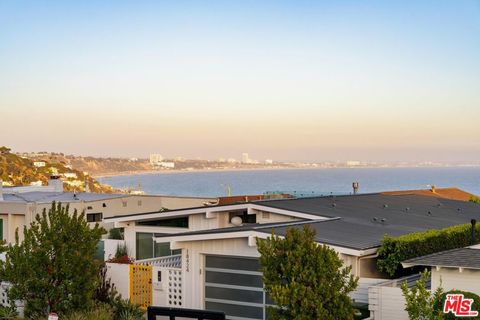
[(474, 231), (87, 186), (1, 190), (355, 186), (56, 183), (433, 189)]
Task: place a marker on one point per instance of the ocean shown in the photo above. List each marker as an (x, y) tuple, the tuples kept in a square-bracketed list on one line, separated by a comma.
[(301, 181)]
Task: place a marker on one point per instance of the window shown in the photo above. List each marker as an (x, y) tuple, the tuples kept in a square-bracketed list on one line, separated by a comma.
[(94, 217), (124, 203), (144, 245), (246, 218), (147, 248), (175, 222), (89, 208), (139, 202)]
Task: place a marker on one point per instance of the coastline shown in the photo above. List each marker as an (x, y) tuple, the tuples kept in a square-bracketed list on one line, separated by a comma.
[(174, 171), (151, 172)]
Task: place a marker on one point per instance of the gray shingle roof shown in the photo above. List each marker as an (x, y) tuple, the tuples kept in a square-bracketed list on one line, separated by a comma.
[(363, 220), (407, 213), (456, 258)]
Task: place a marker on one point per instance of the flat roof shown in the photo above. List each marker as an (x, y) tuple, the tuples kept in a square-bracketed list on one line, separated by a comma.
[(48, 197), (409, 213), (361, 221)]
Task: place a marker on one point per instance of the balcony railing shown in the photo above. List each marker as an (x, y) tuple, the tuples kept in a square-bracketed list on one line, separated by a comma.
[(174, 261)]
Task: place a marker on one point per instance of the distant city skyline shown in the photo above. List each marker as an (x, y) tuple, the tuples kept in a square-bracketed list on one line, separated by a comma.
[(289, 81)]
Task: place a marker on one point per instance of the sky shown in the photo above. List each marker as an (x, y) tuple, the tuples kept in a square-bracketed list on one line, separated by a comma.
[(285, 80)]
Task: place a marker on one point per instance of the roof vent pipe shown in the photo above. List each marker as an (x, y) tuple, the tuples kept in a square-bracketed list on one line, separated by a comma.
[(355, 186), (474, 231)]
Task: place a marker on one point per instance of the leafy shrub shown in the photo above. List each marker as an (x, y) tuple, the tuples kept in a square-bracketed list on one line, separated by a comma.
[(121, 251), (99, 312), (125, 310), (53, 268), (421, 302), (305, 280), (475, 305), (122, 259), (395, 250), (7, 313), (474, 199), (121, 255), (105, 291), (115, 233)]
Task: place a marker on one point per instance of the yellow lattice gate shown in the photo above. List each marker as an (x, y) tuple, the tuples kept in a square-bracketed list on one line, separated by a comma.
[(141, 285)]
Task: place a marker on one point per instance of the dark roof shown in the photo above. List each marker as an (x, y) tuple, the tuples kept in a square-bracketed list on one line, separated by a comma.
[(456, 258), (363, 220), (333, 231), (404, 213)]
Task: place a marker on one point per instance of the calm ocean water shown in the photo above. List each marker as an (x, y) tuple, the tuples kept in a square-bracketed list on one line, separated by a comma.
[(316, 181)]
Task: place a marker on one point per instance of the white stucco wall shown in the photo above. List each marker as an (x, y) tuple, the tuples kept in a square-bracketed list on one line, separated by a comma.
[(120, 276), (452, 278)]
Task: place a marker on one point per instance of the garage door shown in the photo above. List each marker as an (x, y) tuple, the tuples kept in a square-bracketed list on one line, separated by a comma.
[(234, 285)]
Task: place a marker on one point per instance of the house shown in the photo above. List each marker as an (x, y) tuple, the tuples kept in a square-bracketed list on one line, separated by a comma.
[(70, 175), (20, 205), (39, 164), (216, 245), (452, 269)]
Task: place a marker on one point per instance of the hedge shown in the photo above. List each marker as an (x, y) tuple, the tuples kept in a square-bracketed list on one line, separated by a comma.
[(449, 316), (394, 250)]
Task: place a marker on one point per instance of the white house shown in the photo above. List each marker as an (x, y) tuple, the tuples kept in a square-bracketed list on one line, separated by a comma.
[(39, 164), (219, 260), (457, 269)]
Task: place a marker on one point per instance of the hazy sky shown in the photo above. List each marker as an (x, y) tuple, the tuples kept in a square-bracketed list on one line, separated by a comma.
[(297, 80)]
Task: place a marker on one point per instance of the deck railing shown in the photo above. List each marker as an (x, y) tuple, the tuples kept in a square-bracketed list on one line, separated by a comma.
[(174, 261)]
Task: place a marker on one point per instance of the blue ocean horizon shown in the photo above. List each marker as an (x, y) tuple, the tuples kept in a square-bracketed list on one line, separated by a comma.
[(302, 181)]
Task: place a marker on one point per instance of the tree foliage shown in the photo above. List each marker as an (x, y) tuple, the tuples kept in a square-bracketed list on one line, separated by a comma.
[(394, 250), (421, 303), (53, 268), (304, 279)]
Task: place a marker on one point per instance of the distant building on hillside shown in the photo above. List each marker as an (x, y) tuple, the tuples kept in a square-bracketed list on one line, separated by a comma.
[(155, 159), (39, 164), (166, 164), (70, 175), (246, 158), (268, 161), (353, 163)]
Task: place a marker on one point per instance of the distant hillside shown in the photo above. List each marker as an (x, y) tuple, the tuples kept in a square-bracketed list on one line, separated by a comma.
[(106, 166), (94, 166), (19, 171)]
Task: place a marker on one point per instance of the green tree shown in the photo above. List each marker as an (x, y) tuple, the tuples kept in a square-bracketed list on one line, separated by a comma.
[(421, 303), (474, 199), (53, 268), (304, 279)]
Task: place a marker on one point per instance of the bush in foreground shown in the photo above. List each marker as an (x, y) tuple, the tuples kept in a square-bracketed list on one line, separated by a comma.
[(304, 279), (53, 268)]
